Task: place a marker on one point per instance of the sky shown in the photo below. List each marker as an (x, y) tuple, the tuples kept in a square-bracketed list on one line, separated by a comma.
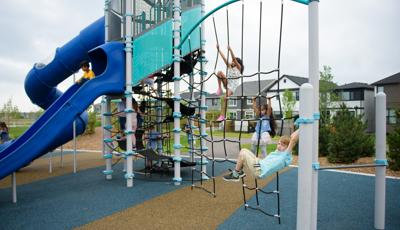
[(358, 38)]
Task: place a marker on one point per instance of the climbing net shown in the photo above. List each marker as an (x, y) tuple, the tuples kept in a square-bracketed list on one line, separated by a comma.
[(260, 98)]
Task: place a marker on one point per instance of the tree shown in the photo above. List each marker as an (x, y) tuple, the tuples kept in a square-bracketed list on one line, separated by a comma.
[(288, 102), (9, 111), (348, 140), (326, 99), (91, 125), (394, 147)]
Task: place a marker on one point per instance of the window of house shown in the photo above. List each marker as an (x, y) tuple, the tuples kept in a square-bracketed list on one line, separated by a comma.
[(214, 102), (232, 103), (357, 95), (232, 115), (297, 95), (391, 117), (249, 115), (346, 96), (379, 89), (249, 101)]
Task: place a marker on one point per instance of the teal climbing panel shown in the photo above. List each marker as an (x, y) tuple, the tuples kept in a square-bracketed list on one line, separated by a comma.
[(152, 51)]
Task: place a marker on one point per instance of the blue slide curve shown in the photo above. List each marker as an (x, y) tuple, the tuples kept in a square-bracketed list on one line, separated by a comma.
[(54, 127)]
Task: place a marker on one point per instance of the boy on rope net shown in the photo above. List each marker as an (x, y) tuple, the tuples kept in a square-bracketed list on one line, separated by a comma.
[(262, 168)]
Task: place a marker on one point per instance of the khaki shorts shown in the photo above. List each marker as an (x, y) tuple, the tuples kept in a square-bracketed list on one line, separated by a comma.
[(250, 160)]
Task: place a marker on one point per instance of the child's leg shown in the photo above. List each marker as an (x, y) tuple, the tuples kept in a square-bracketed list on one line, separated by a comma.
[(254, 149), (134, 127), (264, 150), (221, 79), (245, 158)]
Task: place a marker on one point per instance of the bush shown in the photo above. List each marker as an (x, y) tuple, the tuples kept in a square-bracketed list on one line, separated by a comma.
[(324, 138), (394, 149), (91, 123), (348, 140)]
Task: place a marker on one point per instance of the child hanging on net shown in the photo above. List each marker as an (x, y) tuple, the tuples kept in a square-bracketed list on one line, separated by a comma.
[(261, 136), (231, 81), (261, 168)]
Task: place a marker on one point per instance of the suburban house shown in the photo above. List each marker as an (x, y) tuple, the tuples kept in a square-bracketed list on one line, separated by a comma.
[(391, 87), (359, 98)]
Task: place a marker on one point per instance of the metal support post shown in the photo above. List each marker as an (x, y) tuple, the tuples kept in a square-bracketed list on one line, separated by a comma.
[(380, 172), (129, 5), (14, 187), (313, 62), (177, 78), (304, 202)]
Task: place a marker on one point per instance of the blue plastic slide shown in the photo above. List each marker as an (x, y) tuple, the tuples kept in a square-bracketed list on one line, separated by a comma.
[(54, 127)]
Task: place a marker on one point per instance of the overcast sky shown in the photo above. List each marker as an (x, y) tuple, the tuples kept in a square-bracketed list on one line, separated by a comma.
[(358, 38)]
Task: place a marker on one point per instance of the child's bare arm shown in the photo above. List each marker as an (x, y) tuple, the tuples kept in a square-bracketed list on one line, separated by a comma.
[(293, 141), (222, 55), (269, 109), (237, 64)]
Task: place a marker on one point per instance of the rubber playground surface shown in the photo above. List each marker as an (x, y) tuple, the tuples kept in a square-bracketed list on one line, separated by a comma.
[(63, 200)]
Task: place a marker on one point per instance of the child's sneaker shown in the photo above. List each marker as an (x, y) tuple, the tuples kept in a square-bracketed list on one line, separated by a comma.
[(234, 176), (221, 118), (219, 92)]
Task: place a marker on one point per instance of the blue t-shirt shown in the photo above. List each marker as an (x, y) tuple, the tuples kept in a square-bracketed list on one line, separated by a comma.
[(4, 137), (274, 162), (265, 126), (153, 138)]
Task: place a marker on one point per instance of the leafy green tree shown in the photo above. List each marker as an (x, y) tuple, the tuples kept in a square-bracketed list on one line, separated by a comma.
[(348, 139), (9, 111), (288, 102), (326, 99), (394, 147), (91, 125)]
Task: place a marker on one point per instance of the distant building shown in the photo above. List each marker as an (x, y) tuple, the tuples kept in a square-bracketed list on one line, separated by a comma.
[(359, 98), (391, 87)]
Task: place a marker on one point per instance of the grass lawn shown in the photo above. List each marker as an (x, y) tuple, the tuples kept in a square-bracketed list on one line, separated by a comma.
[(15, 132)]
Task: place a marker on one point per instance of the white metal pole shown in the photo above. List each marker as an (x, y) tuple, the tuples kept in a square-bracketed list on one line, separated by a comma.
[(177, 77), (14, 187), (305, 158), (380, 172), (128, 77), (61, 156), (203, 106), (313, 30), (74, 135), (106, 104), (50, 162)]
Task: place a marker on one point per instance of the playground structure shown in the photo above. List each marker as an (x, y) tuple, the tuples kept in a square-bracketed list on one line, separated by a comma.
[(119, 67)]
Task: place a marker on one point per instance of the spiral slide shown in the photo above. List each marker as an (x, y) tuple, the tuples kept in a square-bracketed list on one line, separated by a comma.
[(54, 127)]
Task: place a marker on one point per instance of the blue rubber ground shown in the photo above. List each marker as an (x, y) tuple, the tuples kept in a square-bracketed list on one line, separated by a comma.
[(72, 200), (346, 201)]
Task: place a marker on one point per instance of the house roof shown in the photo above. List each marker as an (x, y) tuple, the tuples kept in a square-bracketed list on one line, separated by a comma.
[(250, 88), (394, 79), (355, 85), (298, 80)]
